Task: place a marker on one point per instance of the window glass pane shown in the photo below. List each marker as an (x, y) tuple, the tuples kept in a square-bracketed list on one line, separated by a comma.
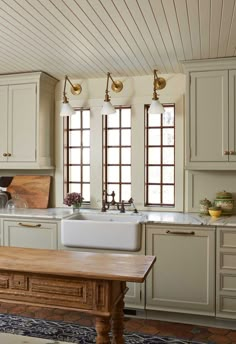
[(154, 174), (74, 138), (154, 137), (113, 156), (75, 155), (86, 119), (168, 155), (75, 188), (168, 174), (154, 155), (168, 194), (113, 121), (154, 120), (86, 155), (75, 174), (113, 137), (168, 117), (125, 192), (115, 188), (125, 137), (113, 173), (86, 173), (154, 194), (126, 155), (168, 137), (86, 138), (126, 118), (75, 121), (126, 174), (86, 192)]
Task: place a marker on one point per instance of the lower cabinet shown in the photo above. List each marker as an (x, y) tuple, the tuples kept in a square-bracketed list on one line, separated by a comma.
[(30, 234), (226, 272), (183, 277)]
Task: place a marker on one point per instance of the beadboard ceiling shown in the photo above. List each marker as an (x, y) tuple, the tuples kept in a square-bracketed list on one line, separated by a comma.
[(88, 38)]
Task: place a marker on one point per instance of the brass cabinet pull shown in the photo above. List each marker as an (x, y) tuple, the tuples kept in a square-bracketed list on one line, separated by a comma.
[(226, 152), (8, 154), (180, 233), (231, 152), (4, 154), (28, 225)]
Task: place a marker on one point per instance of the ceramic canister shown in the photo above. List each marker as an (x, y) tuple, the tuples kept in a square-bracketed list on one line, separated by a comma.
[(225, 201), (204, 205)]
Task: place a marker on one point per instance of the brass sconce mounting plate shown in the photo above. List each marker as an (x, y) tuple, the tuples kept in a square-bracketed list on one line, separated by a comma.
[(76, 89), (117, 86), (160, 83)]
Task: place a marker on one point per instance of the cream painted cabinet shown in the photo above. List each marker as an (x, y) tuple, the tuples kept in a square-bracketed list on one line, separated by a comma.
[(26, 114), (226, 273), (183, 277), (211, 114), (30, 233)]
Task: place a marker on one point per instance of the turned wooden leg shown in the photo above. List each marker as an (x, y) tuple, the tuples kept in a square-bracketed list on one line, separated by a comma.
[(103, 327), (118, 323)]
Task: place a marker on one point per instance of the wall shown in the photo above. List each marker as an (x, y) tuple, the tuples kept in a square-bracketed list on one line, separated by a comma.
[(137, 91)]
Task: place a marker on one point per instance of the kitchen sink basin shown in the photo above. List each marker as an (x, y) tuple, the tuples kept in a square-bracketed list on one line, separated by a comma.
[(102, 231)]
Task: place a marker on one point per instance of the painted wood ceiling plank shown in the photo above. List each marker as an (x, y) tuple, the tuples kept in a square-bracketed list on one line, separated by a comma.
[(21, 28), (183, 23), (226, 22), (231, 46), (204, 15), (143, 34), (163, 62), (47, 32), (97, 46), (104, 24), (161, 21), (194, 23), (215, 24)]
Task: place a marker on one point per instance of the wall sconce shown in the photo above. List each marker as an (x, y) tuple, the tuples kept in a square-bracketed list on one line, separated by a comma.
[(116, 86), (66, 108), (158, 84)]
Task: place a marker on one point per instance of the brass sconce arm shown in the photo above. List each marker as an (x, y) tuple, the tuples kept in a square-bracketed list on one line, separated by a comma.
[(116, 86), (158, 84), (75, 89)]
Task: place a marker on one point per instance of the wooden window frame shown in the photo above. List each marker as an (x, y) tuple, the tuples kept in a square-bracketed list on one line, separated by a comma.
[(66, 157), (147, 164), (120, 146)]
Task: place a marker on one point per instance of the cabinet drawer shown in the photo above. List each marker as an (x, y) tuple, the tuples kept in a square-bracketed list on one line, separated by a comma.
[(228, 239), (228, 260), (228, 282), (228, 304)]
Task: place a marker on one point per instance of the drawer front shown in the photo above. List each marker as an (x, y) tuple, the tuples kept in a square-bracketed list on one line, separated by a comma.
[(228, 304), (228, 260), (228, 239), (228, 282)]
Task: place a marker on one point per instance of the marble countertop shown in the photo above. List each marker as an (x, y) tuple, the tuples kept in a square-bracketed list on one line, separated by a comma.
[(172, 218)]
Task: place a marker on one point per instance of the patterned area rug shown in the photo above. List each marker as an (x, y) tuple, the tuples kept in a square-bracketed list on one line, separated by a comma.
[(72, 333)]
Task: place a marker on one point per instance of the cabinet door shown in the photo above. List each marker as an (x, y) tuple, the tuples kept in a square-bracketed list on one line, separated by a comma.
[(3, 125), (208, 122), (232, 115), (183, 277), (31, 234), (22, 123)]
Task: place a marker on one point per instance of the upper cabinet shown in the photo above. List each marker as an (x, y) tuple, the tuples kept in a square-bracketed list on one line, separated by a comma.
[(210, 114), (27, 116)]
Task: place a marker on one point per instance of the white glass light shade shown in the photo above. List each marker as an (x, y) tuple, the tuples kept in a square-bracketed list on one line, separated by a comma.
[(156, 107), (66, 110), (108, 108)]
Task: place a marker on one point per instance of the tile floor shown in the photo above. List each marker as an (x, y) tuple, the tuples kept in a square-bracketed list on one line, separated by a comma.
[(198, 333)]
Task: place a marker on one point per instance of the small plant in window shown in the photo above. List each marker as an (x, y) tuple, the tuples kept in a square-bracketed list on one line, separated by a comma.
[(75, 199)]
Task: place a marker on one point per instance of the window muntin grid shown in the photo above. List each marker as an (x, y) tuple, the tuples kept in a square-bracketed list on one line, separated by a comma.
[(117, 153), (77, 153), (160, 157)]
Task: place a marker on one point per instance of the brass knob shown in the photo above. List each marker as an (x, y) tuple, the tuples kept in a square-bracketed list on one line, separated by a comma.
[(226, 152), (4, 154), (8, 154), (231, 152)]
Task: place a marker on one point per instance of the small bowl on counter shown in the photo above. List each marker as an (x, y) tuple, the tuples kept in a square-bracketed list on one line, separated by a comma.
[(215, 211)]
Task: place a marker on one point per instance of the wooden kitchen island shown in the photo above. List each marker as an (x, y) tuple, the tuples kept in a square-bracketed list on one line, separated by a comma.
[(88, 282)]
